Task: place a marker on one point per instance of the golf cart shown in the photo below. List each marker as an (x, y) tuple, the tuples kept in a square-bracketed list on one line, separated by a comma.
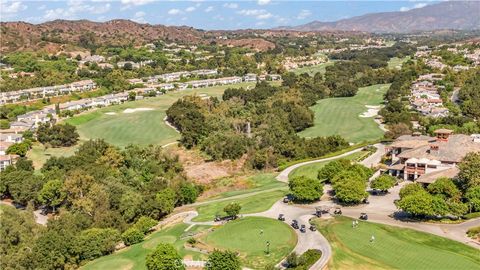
[(363, 216), (337, 211), (303, 228), (294, 224), (313, 228), (281, 217)]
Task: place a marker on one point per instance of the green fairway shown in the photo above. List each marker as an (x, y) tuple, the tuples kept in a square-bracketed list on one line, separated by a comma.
[(140, 127), (393, 248), (312, 70), (342, 116), (252, 204), (396, 62), (257, 182), (245, 236), (134, 256), (39, 154), (311, 170)]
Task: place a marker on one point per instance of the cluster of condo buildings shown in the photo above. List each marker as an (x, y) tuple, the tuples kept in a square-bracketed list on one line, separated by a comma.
[(47, 91), (425, 97)]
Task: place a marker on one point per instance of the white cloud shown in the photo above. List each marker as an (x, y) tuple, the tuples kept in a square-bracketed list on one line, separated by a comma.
[(42, 7), (263, 2), (260, 23), (139, 17), (209, 9), (230, 5), (190, 9), (8, 9), (136, 2), (174, 11), (304, 13), (420, 5), (259, 14)]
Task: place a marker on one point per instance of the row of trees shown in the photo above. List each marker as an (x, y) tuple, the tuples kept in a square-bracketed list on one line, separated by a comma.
[(166, 257), (98, 192), (261, 123)]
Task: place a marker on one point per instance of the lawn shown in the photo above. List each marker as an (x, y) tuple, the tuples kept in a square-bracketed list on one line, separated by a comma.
[(342, 116), (396, 62), (393, 248), (312, 70), (252, 204), (254, 183), (39, 154), (134, 256), (245, 236), (141, 127), (311, 170)]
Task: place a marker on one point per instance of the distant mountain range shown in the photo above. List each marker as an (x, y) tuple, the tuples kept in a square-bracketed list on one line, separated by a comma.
[(456, 15)]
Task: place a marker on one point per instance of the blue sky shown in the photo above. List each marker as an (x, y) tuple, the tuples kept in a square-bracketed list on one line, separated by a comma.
[(197, 13)]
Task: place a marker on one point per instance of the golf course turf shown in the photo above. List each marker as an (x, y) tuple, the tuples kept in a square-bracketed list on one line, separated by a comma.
[(249, 237), (139, 127), (393, 248), (133, 257), (252, 204), (342, 116)]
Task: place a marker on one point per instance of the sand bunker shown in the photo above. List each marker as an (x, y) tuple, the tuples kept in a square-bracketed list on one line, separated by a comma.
[(371, 112), (137, 110), (110, 113)]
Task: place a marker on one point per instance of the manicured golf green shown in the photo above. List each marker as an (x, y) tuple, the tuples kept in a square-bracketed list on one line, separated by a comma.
[(139, 127), (311, 170), (342, 116), (252, 204), (312, 70), (249, 237), (134, 257), (393, 248)]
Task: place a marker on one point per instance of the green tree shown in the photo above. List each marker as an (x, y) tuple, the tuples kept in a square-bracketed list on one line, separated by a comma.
[(132, 236), (164, 257), (93, 243), (144, 224), (419, 203), (223, 260), (166, 200), (383, 182), (20, 149), (4, 124), (188, 193), (232, 209), (306, 189), (330, 170), (350, 191), (52, 194), (469, 175), (445, 188), (410, 189), (473, 198)]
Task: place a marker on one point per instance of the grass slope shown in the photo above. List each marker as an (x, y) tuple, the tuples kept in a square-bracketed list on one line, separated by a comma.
[(394, 248), (311, 170), (252, 204), (341, 116), (396, 62), (134, 256), (245, 237), (141, 127), (39, 154)]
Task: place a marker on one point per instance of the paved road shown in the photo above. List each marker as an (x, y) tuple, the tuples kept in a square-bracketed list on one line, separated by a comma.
[(283, 176)]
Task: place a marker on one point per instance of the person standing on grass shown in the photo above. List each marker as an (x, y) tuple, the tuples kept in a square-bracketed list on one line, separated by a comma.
[(372, 239)]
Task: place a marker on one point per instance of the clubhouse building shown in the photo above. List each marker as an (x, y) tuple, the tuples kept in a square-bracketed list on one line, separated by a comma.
[(424, 159)]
